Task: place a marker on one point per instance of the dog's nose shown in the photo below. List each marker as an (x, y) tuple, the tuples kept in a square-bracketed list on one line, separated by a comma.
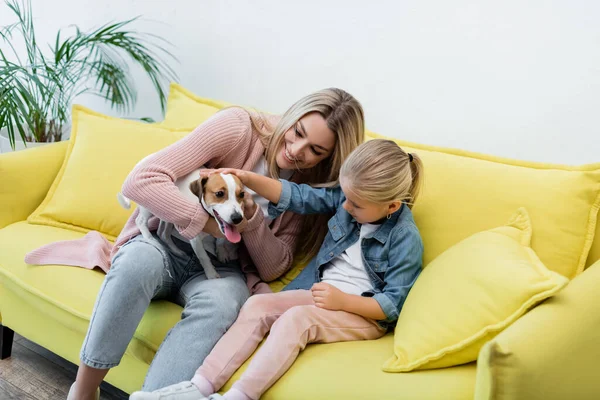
[(236, 218)]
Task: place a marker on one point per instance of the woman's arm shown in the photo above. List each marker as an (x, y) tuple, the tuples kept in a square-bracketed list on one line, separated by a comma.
[(151, 183), (272, 254)]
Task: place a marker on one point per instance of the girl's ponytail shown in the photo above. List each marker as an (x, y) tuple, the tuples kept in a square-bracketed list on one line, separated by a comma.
[(416, 169)]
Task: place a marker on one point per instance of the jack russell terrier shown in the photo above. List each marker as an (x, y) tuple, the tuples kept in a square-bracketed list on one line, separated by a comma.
[(222, 196)]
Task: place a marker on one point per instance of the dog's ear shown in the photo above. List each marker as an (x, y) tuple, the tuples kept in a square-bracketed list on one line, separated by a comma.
[(196, 187)]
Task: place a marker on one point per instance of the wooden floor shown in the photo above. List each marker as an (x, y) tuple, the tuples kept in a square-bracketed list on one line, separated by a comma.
[(33, 372)]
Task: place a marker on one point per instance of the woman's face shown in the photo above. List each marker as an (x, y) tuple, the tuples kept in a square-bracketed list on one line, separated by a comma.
[(306, 143)]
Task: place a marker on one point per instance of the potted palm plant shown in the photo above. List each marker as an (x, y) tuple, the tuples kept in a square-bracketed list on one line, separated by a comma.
[(37, 89)]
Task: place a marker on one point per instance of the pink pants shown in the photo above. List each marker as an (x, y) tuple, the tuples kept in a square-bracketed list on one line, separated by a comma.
[(294, 321)]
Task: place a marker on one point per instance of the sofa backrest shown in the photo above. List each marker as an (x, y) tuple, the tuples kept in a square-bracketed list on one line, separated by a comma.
[(465, 193), (595, 251)]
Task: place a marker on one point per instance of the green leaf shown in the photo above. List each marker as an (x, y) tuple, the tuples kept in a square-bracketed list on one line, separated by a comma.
[(36, 95)]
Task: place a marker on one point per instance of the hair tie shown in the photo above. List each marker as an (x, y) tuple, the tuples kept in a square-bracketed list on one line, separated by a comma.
[(410, 157)]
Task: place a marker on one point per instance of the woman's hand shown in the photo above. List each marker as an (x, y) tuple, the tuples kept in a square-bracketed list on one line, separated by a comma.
[(212, 228), (328, 297), (249, 210), (249, 206)]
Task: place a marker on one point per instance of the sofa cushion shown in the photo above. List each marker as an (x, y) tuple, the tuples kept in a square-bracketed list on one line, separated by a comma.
[(352, 370), (185, 110), (468, 295), (102, 151), (67, 295), (466, 192), (550, 353), (595, 250)]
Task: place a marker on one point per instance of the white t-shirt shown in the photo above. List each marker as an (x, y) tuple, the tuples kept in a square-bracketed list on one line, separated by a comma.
[(347, 271)]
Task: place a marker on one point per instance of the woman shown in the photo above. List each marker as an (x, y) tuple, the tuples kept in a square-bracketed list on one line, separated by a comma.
[(306, 144)]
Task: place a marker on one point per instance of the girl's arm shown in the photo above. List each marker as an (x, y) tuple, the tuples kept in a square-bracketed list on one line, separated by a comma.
[(266, 187), (405, 264), (286, 195), (151, 183)]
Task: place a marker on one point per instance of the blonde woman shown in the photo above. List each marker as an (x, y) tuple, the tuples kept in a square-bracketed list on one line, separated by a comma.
[(353, 290), (306, 144)]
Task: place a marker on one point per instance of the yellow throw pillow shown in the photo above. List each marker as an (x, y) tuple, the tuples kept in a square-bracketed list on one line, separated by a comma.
[(185, 110), (466, 192), (469, 294), (550, 353), (595, 250), (102, 151)]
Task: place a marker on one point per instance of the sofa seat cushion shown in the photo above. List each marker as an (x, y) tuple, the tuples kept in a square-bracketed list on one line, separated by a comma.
[(352, 370), (339, 370), (69, 293)]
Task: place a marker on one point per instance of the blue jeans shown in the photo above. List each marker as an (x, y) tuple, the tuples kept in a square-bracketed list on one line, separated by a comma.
[(142, 271)]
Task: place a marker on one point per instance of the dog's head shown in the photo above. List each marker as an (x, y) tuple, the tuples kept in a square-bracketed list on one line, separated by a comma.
[(222, 196)]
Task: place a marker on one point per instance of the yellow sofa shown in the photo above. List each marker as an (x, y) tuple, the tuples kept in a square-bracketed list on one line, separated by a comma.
[(550, 353)]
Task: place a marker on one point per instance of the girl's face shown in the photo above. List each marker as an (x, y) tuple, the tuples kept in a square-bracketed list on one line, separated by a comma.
[(363, 211), (306, 143)]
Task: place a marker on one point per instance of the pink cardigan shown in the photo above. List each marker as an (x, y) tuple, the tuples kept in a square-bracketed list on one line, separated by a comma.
[(226, 140)]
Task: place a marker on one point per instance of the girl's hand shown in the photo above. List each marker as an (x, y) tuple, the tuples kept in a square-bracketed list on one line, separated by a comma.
[(328, 297), (240, 173)]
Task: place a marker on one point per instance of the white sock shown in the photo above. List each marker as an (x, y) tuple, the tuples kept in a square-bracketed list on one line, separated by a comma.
[(203, 385), (235, 394)]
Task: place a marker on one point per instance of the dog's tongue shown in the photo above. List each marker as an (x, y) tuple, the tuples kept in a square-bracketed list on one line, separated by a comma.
[(232, 234)]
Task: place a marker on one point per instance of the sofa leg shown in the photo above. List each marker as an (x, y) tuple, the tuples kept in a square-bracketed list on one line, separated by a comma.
[(6, 341)]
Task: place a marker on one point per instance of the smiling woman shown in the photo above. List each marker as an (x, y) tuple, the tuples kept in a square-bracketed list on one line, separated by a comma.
[(307, 143)]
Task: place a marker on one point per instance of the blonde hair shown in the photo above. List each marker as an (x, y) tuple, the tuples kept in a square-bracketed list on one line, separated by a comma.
[(379, 171), (345, 118)]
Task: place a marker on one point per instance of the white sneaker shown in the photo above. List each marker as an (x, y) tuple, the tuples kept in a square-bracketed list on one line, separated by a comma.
[(185, 390), (70, 396)]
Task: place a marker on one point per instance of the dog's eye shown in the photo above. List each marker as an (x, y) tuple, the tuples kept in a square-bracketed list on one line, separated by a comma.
[(241, 195), (220, 193)]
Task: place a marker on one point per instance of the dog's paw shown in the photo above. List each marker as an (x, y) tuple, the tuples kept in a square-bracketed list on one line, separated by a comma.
[(222, 255), (212, 274), (226, 252)]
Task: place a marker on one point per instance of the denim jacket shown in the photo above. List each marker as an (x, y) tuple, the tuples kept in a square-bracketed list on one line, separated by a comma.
[(392, 255)]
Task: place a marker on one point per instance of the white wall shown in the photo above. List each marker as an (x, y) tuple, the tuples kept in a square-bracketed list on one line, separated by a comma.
[(513, 78)]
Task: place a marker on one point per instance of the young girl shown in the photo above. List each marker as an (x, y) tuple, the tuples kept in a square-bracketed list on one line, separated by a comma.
[(353, 290)]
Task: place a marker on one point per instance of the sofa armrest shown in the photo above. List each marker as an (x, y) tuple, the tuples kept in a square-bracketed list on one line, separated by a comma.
[(25, 177), (550, 353)]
